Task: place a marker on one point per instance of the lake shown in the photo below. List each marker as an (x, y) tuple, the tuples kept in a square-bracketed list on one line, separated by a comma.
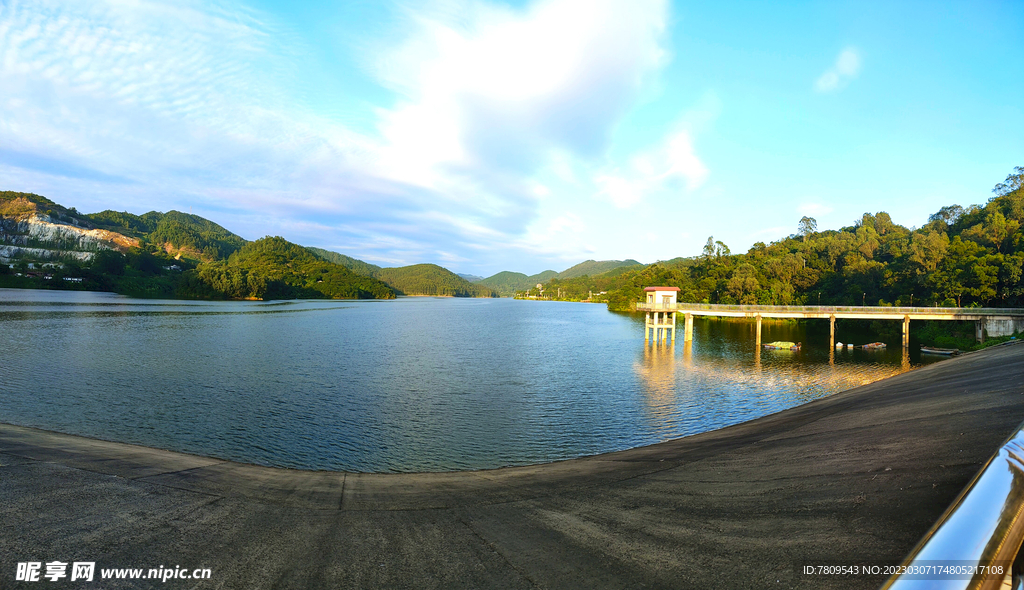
[(414, 384)]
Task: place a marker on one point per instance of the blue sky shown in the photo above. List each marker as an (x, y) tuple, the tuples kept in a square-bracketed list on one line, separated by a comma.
[(488, 136)]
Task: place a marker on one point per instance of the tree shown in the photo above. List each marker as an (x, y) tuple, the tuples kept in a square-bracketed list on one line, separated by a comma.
[(948, 215), (743, 285), (709, 248), (1013, 183), (808, 225)]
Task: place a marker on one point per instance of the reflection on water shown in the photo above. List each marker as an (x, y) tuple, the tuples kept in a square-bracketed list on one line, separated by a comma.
[(416, 384), (741, 385)]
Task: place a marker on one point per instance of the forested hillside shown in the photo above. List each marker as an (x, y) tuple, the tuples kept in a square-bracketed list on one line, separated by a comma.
[(274, 268), (960, 257), (418, 279), (431, 279), (355, 265), (175, 232), (596, 267), (506, 283), (165, 255)]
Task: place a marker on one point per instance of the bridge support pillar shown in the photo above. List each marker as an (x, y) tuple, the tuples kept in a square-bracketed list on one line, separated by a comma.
[(979, 330), (906, 331), (758, 331), (688, 328), (832, 332), (660, 327)]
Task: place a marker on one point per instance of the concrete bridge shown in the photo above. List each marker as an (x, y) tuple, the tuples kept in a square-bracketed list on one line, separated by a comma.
[(988, 320)]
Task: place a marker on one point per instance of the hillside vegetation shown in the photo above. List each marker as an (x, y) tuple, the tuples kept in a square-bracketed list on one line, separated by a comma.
[(431, 279), (178, 255), (960, 257), (175, 232), (597, 267), (274, 268), (506, 283), (355, 265), (15, 205), (418, 279)]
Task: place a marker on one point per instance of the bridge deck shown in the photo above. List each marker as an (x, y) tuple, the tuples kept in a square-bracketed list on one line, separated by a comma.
[(834, 311)]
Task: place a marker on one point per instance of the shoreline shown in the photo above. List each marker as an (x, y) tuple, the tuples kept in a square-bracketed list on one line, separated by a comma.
[(857, 477)]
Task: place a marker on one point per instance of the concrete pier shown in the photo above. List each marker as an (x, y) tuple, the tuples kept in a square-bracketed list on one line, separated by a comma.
[(855, 478)]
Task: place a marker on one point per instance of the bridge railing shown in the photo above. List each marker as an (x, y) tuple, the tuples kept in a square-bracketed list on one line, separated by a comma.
[(977, 542), (683, 307)]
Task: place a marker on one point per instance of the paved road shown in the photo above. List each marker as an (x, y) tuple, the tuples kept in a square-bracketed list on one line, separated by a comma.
[(857, 477)]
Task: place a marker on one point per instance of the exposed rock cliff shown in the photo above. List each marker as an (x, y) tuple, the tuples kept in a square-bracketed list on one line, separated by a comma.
[(41, 236)]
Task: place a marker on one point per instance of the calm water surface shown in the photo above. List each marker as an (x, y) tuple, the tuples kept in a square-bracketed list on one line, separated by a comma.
[(415, 384)]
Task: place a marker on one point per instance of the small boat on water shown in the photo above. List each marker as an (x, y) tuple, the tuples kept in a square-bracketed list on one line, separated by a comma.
[(782, 345), (874, 346), (943, 351)]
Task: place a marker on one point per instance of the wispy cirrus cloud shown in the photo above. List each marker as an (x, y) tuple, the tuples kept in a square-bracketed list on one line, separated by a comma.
[(187, 102), (846, 68)]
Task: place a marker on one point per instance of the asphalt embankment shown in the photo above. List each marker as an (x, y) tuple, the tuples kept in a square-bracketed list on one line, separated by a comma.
[(855, 478)]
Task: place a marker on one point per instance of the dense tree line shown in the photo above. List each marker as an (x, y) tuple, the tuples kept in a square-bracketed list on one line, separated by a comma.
[(191, 235), (355, 265), (961, 257), (274, 268), (431, 279)]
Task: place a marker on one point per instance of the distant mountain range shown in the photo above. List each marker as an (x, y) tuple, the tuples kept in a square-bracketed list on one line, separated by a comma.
[(417, 279), (506, 283), (179, 254)]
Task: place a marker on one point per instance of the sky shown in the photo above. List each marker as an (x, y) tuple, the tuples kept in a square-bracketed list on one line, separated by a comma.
[(487, 136)]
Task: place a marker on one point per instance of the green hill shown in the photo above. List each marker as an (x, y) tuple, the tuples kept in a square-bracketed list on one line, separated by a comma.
[(16, 204), (506, 283), (172, 254), (175, 232), (431, 279), (962, 257), (274, 268), (418, 279), (355, 265), (596, 267)]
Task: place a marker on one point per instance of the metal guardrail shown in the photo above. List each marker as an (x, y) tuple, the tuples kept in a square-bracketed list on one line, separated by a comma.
[(980, 534), (994, 311)]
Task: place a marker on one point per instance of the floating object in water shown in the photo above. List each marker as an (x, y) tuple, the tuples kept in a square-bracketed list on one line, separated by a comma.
[(782, 345), (874, 346), (943, 351), (839, 345)]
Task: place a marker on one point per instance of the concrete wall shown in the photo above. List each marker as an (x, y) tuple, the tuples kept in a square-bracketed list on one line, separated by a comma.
[(1003, 326)]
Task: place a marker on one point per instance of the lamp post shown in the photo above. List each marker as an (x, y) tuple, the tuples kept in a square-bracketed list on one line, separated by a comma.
[(862, 296)]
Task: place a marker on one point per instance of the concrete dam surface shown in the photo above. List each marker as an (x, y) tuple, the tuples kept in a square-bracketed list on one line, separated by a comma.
[(855, 478)]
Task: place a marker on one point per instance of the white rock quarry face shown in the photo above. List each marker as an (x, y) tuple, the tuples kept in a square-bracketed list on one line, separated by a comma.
[(41, 227), (9, 254), (39, 236)]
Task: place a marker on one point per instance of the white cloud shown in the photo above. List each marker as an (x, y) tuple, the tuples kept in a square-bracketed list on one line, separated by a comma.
[(846, 68), (660, 169), (191, 101)]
